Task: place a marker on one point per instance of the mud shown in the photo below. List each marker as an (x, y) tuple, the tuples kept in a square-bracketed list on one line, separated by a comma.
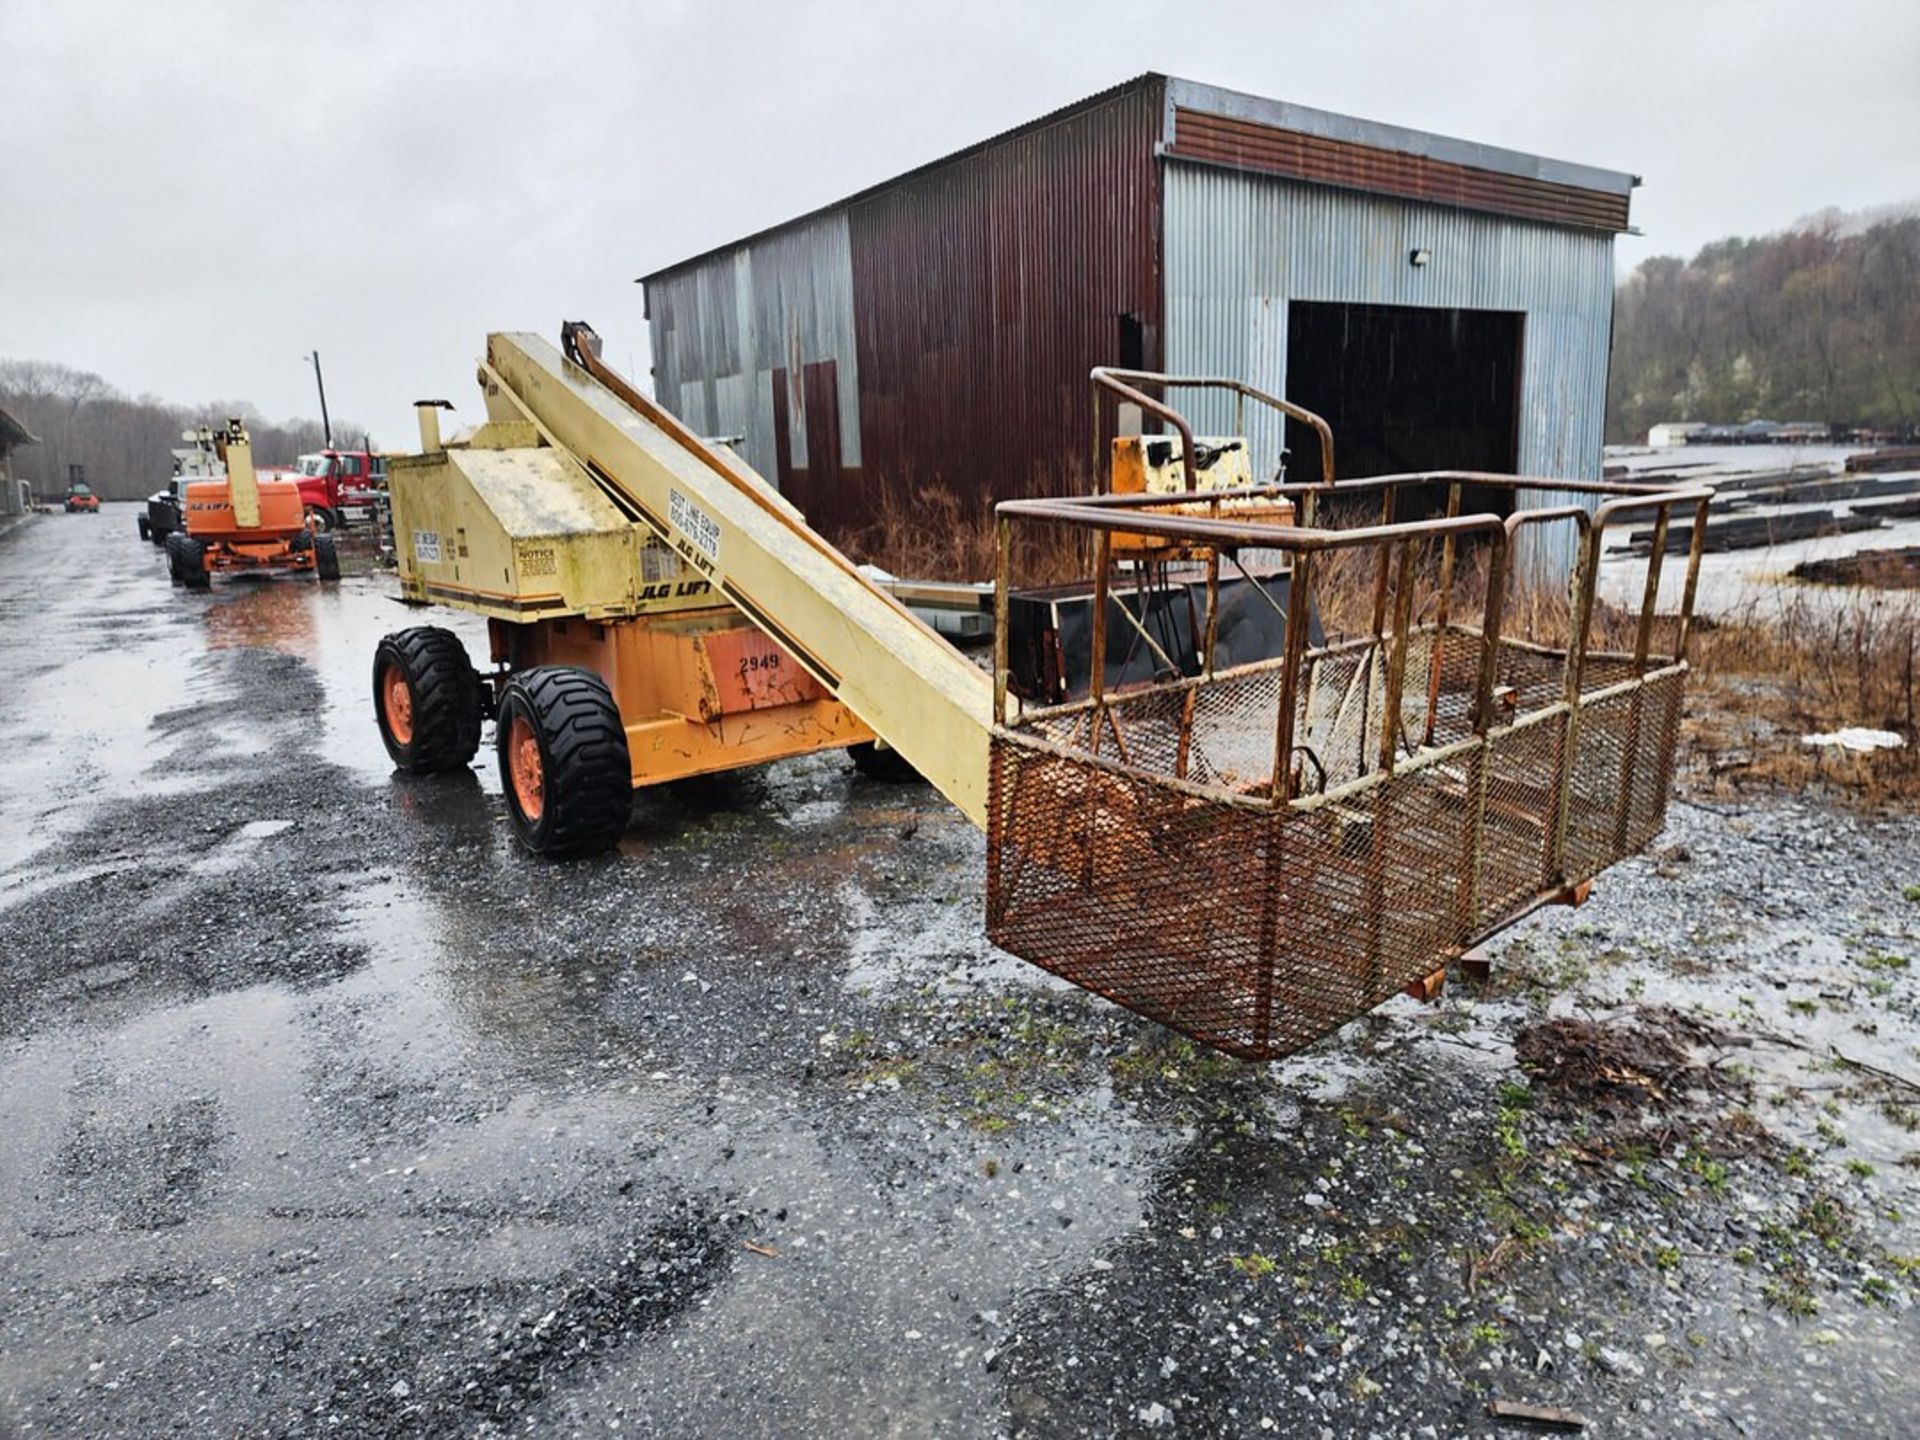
[(325, 1111)]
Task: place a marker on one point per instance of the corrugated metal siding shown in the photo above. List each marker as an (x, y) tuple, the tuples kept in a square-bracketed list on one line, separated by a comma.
[(725, 331), (1239, 247), (1248, 145), (987, 289)]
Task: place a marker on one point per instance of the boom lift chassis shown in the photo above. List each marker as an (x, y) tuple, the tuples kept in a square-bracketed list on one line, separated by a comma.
[(1251, 854)]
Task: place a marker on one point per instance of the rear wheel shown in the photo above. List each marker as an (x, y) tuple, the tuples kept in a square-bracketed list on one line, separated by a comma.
[(426, 698), (326, 560), (563, 761), (187, 559), (146, 530)]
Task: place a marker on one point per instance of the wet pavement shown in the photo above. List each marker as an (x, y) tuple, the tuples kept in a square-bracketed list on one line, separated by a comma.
[(325, 1111)]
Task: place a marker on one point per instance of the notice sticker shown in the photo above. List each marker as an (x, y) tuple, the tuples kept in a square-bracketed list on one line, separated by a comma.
[(426, 546), (697, 525)]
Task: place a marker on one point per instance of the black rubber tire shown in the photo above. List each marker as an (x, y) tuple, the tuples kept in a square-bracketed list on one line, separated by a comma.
[(587, 779), (189, 560), (326, 560), (301, 542), (878, 763), (146, 530), (445, 689)]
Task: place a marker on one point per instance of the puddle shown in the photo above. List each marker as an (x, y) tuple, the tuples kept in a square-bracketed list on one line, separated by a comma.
[(929, 939), (237, 849), (344, 624)]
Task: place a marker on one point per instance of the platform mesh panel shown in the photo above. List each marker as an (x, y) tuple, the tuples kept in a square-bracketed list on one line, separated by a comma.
[(1520, 811), (1256, 930), (1622, 771)]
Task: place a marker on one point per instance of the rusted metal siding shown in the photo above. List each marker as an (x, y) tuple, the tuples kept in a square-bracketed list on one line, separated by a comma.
[(935, 330), (1240, 247), (1249, 145), (985, 290)]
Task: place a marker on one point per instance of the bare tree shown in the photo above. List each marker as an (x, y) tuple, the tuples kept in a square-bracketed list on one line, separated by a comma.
[(124, 443), (1820, 323)]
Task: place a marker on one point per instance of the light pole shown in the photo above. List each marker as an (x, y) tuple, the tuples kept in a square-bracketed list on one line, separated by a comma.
[(326, 425)]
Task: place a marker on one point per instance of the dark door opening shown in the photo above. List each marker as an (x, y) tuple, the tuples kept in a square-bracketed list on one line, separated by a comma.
[(1406, 388)]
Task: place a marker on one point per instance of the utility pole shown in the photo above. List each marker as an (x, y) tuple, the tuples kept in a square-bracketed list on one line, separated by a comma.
[(326, 425)]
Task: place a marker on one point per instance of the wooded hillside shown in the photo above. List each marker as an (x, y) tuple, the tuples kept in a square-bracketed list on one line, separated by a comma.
[(1819, 323), (125, 443)]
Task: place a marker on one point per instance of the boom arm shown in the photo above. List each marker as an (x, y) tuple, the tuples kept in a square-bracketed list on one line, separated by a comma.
[(243, 486), (907, 684)]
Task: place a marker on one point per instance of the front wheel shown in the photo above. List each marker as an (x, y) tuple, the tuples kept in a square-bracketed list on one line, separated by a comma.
[(326, 560), (320, 518), (563, 761), (146, 530), (426, 698)]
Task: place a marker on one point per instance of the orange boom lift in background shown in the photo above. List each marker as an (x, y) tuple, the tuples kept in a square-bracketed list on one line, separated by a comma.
[(245, 523)]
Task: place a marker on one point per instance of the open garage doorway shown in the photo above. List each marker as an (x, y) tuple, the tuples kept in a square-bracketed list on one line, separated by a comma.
[(1406, 388)]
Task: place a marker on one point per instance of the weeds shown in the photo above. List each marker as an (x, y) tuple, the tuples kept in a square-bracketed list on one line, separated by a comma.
[(1253, 1265), (936, 534), (1790, 1293), (1809, 662)]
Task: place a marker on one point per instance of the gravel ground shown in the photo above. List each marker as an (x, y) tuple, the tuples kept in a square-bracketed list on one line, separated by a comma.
[(323, 1111)]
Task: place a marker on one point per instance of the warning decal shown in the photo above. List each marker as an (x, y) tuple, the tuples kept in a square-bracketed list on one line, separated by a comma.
[(691, 521)]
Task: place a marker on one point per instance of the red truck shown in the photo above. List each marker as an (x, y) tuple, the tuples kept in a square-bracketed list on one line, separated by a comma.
[(342, 487)]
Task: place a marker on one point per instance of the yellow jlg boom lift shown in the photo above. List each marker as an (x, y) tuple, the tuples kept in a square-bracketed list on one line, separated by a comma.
[(1250, 852)]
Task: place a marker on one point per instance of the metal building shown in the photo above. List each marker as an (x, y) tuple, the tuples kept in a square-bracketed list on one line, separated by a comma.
[(13, 494), (1444, 304)]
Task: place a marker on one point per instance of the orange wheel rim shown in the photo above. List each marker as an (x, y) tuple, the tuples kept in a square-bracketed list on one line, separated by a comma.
[(523, 767), (396, 700)]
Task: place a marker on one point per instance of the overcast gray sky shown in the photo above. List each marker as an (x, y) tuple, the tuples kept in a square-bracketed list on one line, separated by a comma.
[(194, 195)]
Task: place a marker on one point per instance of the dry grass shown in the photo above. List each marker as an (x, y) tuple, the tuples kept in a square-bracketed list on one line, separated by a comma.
[(1815, 661), (935, 535), (1812, 660)]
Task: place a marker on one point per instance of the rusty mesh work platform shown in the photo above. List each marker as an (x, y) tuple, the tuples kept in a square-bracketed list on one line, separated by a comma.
[(1255, 856)]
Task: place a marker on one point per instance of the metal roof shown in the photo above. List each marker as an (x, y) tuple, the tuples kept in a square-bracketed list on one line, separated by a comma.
[(1191, 95), (1177, 93), (13, 433)]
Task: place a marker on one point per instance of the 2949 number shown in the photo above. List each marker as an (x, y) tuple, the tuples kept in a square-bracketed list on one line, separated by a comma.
[(753, 664)]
